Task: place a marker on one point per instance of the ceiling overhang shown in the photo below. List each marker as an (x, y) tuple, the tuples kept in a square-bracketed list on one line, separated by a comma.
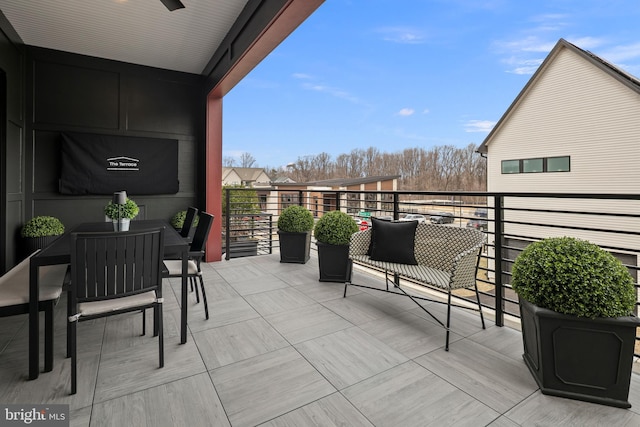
[(215, 38)]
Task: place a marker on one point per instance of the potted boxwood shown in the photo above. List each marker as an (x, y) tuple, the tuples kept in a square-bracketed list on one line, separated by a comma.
[(333, 232), (294, 232), (121, 215), (40, 231), (578, 330), (177, 220)]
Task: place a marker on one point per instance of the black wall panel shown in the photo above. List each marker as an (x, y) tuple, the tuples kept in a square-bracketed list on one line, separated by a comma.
[(68, 95), (12, 196), (77, 93), (46, 158), (14, 150), (161, 105)]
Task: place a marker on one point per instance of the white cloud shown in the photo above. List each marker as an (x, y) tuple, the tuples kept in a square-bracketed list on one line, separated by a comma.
[(586, 42), (621, 53), (402, 35), (479, 126), (426, 111), (301, 76), (406, 112), (522, 66), (336, 92), (526, 44)]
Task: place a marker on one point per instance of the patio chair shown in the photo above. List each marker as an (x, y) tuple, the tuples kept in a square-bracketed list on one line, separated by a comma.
[(190, 216), (14, 297), (173, 268), (114, 273)]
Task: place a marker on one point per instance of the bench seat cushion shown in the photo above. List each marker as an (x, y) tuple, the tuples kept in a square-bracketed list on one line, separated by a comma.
[(421, 273)]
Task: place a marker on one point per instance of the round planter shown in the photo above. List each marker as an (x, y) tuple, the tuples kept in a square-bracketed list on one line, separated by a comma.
[(32, 244)]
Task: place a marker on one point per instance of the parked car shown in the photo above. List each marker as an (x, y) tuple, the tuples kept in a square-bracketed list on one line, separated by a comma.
[(414, 217), (442, 218), (478, 224), (481, 213)]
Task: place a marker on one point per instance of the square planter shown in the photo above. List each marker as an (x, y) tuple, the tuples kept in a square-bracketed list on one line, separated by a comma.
[(295, 247), (579, 358), (334, 264)]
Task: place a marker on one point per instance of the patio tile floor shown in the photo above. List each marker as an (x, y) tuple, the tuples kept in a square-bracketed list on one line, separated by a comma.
[(283, 349)]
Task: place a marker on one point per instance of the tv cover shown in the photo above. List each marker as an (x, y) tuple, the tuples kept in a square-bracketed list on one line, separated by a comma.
[(103, 164)]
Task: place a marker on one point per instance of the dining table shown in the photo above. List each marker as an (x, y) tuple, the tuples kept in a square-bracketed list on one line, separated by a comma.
[(59, 252)]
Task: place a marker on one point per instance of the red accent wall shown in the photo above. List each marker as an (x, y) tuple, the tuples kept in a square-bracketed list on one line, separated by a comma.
[(213, 184)]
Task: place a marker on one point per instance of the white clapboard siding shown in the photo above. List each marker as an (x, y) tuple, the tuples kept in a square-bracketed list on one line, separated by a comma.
[(573, 106)]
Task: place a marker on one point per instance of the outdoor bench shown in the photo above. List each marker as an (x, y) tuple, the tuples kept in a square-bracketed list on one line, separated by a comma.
[(438, 256)]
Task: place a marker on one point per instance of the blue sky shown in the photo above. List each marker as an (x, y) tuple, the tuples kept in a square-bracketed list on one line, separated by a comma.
[(398, 74)]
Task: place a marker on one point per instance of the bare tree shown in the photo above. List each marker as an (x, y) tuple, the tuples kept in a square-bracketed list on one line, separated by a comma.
[(443, 168), (228, 162), (247, 160)]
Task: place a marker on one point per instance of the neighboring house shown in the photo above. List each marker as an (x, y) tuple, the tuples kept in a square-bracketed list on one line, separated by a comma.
[(249, 177), (574, 128)]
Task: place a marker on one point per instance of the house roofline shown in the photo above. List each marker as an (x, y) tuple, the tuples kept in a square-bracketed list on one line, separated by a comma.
[(625, 78)]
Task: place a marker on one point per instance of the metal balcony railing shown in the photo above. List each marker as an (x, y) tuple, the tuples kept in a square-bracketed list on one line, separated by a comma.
[(510, 220)]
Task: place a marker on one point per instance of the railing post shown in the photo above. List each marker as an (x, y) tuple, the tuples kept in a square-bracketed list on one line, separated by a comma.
[(498, 207), (270, 234), (396, 205), (227, 225), (337, 200)]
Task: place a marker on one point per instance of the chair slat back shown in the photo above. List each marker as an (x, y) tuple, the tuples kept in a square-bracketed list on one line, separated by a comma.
[(109, 265), (202, 232), (188, 221)]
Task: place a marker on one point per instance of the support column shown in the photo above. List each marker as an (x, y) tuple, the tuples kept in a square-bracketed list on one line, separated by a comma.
[(213, 176)]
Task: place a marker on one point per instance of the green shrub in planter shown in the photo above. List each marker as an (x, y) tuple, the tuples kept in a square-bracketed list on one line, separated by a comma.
[(335, 228), (575, 277), (42, 226), (128, 210), (295, 219), (177, 221), (578, 330)]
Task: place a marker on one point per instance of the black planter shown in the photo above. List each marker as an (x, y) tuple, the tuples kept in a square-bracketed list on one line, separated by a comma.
[(333, 263), (241, 248), (32, 244), (579, 358), (294, 247)]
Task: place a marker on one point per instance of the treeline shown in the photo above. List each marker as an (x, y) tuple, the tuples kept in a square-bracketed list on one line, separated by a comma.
[(444, 168)]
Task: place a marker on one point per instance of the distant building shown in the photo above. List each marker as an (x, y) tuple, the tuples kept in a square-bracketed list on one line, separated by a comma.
[(319, 202)]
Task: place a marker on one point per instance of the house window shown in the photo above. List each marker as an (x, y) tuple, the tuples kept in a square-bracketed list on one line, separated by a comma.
[(289, 199), (558, 164), (542, 164), (511, 166), (532, 165)]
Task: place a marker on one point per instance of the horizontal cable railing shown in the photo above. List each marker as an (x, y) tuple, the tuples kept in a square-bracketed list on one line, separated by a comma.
[(510, 220)]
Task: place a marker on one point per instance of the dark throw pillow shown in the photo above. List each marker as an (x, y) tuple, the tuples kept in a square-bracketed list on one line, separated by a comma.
[(393, 241)]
